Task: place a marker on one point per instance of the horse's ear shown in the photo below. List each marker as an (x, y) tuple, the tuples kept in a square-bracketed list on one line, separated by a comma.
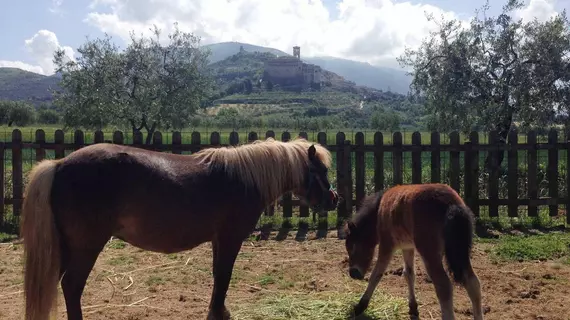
[(312, 152)]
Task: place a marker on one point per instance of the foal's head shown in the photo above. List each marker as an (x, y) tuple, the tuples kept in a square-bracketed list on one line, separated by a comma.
[(316, 190), (361, 237)]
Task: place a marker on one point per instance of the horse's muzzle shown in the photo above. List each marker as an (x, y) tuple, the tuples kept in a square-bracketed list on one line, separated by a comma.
[(333, 201), (355, 273)]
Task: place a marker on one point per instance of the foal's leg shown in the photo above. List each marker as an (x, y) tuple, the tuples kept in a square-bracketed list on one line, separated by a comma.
[(410, 276), (441, 282), (78, 264), (473, 287), (226, 251), (385, 251)]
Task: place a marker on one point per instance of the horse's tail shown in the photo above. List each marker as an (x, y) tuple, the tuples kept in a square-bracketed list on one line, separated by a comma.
[(41, 243), (458, 239)]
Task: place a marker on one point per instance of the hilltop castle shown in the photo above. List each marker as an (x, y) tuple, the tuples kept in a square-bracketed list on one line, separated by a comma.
[(291, 71)]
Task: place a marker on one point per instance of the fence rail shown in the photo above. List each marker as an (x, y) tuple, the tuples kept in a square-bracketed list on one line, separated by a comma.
[(359, 169)]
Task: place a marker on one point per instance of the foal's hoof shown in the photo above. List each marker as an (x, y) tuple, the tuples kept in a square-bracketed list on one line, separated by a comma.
[(360, 308), (413, 311), (219, 315)]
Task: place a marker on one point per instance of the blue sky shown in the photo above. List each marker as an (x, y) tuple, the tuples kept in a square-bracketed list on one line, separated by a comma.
[(366, 30)]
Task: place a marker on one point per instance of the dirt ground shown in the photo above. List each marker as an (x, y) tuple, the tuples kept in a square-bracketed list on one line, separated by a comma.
[(128, 283)]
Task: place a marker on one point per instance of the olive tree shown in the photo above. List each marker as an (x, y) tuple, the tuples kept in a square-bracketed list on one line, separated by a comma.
[(493, 72), (147, 86)]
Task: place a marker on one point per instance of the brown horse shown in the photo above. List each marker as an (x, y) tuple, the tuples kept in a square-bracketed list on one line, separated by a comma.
[(159, 202), (429, 218)]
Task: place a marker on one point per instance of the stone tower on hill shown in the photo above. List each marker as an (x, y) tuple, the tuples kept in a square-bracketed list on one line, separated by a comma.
[(290, 71)]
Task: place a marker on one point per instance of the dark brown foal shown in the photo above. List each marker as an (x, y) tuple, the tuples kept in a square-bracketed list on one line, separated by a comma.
[(429, 218)]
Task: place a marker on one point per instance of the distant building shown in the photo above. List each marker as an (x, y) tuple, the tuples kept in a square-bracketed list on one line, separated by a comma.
[(291, 71)]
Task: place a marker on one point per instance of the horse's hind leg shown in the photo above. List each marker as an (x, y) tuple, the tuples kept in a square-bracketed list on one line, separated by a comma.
[(473, 288), (78, 264), (385, 251), (443, 287), (410, 276)]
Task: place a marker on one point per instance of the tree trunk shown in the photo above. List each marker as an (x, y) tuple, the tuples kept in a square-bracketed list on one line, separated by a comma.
[(150, 133), (495, 159)]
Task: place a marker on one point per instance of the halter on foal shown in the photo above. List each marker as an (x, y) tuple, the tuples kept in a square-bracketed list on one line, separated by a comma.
[(159, 202), (429, 218)]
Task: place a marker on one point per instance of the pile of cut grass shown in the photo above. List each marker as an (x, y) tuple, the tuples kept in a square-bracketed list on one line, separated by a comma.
[(320, 306)]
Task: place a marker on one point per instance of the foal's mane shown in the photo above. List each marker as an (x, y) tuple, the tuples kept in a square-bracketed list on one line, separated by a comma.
[(266, 165)]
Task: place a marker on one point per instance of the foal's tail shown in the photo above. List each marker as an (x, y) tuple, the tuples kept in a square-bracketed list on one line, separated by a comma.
[(41, 243), (458, 239)]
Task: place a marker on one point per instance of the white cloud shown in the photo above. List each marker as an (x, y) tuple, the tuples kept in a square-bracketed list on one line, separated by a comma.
[(41, 47), (374, 31), (56, 6), (542, 10)]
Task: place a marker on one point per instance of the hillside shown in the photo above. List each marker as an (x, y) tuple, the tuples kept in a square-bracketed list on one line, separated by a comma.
[(17, 84), (338, 103), (361, 73)]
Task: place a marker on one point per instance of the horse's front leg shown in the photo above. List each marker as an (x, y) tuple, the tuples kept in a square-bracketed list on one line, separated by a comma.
[(226, 251)]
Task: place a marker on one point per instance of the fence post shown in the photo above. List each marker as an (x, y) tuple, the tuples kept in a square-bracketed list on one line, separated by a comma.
[(196, 141), (59, 140), (552, 170), (287, 199), (360, 168), (494, 175), (17, 172), (157, 141), (234, 138), (512, 173), (40, 141), (568, 177), (2, 182), (176, 142), (78, 139), (454, 161), (471, 182), (435, 157), (532, 184), (347, 168), (118, 137), (416, 158), (100, 137), (303, 210), (323, 224), (215, 138), (397, 158), (340, 178), (138, 139), (378, 161), (270, 210)]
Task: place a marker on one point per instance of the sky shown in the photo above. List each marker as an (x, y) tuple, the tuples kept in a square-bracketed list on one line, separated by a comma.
[(373, 31)]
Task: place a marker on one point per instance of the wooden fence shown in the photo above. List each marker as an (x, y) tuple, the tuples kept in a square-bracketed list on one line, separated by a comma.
[(350, 168)]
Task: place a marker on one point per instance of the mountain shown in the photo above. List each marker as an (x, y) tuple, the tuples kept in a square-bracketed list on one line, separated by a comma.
[(361, 73), (17, 84)]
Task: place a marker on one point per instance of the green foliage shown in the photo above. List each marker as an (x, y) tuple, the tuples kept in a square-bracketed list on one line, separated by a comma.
[(16, 113), (493, 72), (147, 86)]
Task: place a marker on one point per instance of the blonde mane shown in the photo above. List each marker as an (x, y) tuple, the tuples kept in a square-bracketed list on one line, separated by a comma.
[(269, 165)]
